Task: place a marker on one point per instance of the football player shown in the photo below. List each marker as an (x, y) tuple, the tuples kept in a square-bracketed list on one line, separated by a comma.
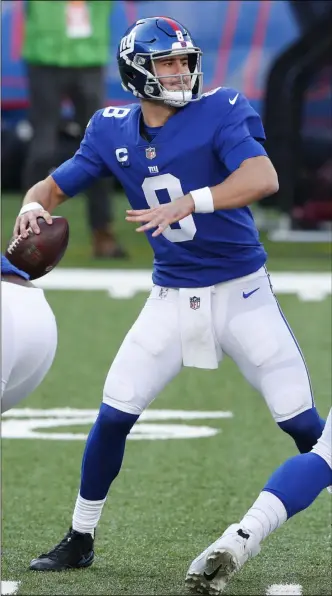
[(28, 335), (191, 164), (291, 488)]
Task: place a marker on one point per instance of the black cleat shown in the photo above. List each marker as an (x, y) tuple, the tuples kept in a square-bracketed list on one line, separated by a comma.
[(73, 552)]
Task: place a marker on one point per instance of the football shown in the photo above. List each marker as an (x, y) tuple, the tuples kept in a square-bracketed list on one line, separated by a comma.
[(39, 253)]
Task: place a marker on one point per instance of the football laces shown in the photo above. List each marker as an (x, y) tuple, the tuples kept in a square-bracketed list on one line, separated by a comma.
[(14, 244)]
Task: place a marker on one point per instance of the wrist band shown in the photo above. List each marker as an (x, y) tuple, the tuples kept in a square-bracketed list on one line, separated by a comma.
[(31, 207), (203, 200)]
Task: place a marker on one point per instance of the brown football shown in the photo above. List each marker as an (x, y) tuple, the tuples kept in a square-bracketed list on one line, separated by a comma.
[(38, 254)]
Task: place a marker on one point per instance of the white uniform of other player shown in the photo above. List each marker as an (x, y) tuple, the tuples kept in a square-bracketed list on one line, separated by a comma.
[(28, 341), (323, 447), (210, 572)]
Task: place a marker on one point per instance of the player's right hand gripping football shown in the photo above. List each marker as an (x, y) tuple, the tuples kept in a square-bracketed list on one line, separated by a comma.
[(27, 220)]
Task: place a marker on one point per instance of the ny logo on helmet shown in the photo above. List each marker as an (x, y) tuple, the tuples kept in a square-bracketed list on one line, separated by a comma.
[(127, 44)]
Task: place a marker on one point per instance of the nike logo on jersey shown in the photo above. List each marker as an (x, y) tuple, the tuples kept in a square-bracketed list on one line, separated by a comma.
[(232, 101), (212, 575), (249, 293)]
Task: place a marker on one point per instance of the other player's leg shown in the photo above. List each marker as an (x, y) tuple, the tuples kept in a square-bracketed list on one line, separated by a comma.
[(292, 488), (148, 359), (7, 343), (29, 341)]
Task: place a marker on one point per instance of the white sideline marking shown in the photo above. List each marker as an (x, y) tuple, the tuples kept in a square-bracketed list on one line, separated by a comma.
[(284, 589), (9, 587), (125, 283)]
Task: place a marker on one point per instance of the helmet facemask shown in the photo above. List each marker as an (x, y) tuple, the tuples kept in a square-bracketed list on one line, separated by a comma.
[(190, 84)]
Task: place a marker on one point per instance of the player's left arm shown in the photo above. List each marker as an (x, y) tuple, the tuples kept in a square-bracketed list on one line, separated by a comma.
[(238, 144), (253, 180)]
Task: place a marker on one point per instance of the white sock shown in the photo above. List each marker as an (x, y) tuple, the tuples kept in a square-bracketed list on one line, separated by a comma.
[(265, 516), (87, 515)]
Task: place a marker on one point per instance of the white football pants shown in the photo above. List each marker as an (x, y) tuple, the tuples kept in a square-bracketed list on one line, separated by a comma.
[(28, 341), (323, 446), (194, 327)]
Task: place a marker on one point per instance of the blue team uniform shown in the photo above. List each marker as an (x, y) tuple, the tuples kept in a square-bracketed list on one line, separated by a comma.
[(9, 269), (199, 146)]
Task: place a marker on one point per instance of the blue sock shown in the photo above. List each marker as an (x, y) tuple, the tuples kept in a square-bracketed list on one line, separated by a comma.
[(104, 451), (305, 428), (299, 480)]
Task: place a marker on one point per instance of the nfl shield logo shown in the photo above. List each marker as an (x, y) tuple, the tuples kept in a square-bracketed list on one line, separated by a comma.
[(150, 153), (163, 292), (195, 302)]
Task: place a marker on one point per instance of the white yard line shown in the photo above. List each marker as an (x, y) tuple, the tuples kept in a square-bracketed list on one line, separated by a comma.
[(284, 590), (122, 283), (150, 414), (9, 587), (27, 423)]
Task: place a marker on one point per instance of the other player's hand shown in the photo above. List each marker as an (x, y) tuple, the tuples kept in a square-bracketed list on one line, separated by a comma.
[(29, 219), (162, 216)]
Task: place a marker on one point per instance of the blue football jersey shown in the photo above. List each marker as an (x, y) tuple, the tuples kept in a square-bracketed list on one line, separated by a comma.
[(200, 145), (8, 268)]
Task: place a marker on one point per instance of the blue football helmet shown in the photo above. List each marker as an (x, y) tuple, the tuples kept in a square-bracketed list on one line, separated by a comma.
[(145, 42)]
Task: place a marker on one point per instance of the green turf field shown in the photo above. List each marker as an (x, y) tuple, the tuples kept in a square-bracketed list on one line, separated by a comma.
[(174, 496)]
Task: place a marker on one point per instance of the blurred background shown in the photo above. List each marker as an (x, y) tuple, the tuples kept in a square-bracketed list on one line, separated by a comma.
[(59, 66)]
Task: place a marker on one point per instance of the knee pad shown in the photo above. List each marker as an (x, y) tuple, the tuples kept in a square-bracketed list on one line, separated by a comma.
[(121, 394), (305, 429), (128, 386), (287, 390)]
